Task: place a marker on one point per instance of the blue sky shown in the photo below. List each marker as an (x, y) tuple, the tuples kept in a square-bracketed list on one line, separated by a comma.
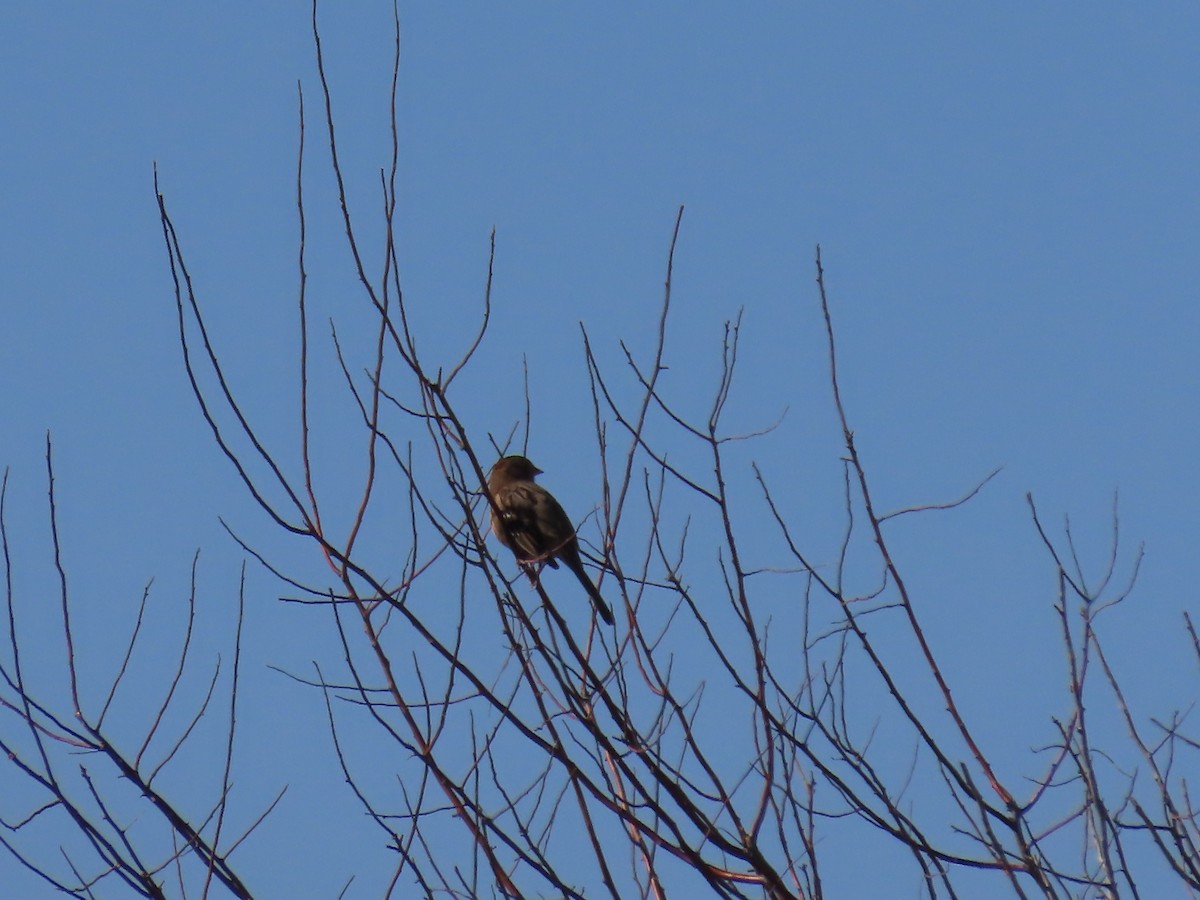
[(1007, 201)]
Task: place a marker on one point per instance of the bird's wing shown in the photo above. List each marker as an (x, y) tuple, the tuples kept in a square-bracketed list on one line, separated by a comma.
[(522, 514)]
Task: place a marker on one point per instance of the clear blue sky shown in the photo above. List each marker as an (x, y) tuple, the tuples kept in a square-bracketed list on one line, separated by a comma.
[(1008, 202)]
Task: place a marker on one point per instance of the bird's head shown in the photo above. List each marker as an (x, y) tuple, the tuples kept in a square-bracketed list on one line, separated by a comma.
[(513, 468)]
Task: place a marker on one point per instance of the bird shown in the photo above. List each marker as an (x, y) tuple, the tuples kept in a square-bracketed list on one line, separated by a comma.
[(533, 525)]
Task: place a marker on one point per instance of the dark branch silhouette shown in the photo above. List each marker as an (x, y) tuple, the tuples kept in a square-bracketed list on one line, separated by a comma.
[(753, 713)]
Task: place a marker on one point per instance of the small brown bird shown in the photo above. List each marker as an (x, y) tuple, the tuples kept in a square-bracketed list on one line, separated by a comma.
[(531, 523)]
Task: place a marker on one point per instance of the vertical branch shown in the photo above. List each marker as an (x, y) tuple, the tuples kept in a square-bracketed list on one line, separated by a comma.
[(62, 582), (656, 369), (302, 303), (877, 530), (231, 729)]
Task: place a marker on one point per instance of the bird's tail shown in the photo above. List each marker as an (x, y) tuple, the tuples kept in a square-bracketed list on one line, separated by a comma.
[(602, 608)]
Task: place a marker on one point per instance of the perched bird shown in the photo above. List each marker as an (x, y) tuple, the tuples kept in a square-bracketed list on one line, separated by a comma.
[(531, 523)]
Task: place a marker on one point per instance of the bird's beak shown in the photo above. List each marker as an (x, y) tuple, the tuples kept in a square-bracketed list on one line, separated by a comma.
[(537, 471)]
